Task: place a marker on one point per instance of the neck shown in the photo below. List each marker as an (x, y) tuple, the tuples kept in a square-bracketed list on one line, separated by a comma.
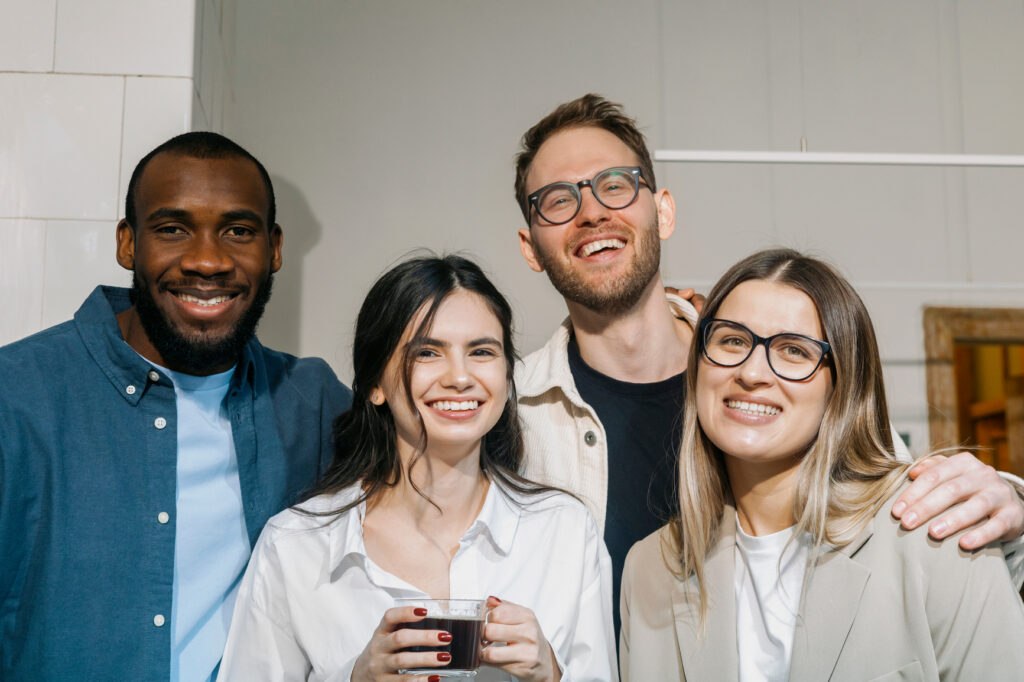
[(456, 485), (763, 494), (641, 345)]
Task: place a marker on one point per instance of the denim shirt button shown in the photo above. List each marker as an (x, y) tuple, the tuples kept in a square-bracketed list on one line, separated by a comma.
[(158, 620), (130, 389), (153, 376), (163, 517), (160, 422)]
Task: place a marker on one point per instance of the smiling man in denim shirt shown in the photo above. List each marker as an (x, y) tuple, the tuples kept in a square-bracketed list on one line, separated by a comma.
[(144, 444)]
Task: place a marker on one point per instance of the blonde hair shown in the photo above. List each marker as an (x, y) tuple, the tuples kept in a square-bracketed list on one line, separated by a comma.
[(850, 468)]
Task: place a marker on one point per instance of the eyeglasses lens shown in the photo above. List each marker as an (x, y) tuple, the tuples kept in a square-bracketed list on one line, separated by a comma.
[(615, 188), (790, 356)]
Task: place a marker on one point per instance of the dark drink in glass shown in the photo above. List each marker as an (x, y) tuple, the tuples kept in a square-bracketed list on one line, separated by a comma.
[(464, 619)]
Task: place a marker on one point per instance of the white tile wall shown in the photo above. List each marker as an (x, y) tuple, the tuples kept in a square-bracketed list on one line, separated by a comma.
[(21, 277), (26, 34), (79, 255), (155, 109), (140, 37), (63, 145)]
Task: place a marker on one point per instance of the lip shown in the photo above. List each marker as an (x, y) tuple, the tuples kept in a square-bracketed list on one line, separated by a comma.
[(577, 250), (744, 416), (203, 311)]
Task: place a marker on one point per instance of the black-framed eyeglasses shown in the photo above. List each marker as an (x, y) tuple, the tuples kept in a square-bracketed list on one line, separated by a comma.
[(614, 188), (793, 357)]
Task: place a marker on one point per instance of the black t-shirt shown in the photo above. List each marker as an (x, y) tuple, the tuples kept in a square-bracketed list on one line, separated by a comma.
[(643, 425)]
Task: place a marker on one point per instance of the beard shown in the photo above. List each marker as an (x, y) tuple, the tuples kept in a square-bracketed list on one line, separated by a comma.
[(610, 295), (196, 352)]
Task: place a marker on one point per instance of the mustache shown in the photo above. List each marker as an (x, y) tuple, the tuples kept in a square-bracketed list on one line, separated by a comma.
[(204, 283)]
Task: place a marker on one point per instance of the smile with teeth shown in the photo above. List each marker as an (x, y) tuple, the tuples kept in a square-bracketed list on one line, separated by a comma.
[(752, 408), (455, 405), (207, 302), (601, 244)]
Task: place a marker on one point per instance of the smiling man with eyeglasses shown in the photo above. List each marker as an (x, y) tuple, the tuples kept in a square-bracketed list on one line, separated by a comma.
[(601, 401)]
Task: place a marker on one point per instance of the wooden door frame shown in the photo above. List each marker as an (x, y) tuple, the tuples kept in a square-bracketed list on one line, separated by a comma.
[(944, 327)]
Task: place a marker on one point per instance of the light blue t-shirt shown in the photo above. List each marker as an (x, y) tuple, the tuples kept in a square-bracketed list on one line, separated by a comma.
[(211, 547)]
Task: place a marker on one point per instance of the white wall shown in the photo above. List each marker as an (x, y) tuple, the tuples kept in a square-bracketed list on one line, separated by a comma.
[(392, 125), (87, 87)]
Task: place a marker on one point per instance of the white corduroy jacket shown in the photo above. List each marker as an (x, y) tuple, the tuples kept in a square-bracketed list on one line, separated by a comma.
[(565, 442)]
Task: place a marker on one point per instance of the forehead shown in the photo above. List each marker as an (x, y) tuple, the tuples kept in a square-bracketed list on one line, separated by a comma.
[(185, 182), (461, 315), (769, 308), (577, 154)]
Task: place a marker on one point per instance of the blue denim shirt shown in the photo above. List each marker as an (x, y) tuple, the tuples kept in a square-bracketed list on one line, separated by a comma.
[(88, 453)]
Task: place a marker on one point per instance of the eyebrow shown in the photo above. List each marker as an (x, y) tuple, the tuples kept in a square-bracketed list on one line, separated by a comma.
[(240, 214), (482, 341)]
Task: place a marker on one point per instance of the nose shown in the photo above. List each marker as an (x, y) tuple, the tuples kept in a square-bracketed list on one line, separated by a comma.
[(456, 374), (755, 370), (592, 212), (206, 256)]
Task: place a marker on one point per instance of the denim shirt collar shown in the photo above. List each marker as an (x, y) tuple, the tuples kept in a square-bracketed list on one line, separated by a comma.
[(128, 373)]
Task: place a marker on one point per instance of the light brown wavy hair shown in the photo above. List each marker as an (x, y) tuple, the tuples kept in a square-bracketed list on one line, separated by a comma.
[(848, 471)]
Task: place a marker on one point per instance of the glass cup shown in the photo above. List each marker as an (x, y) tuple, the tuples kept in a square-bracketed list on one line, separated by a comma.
[(464, 619)]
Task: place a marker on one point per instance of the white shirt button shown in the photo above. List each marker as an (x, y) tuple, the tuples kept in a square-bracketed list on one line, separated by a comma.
[(130, 389), (153, 376), (163, 517), (160, 422), (158, 620)]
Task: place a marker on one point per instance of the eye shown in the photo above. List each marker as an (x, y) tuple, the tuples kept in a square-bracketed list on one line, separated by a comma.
[(426, 353), (484, 352), (240, 231), (170, 229)]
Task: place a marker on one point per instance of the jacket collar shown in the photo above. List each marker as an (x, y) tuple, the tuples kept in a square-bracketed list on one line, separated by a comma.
[(548, 367)]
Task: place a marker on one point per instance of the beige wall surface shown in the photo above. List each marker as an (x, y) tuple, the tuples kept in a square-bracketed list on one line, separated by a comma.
[(392, 125)]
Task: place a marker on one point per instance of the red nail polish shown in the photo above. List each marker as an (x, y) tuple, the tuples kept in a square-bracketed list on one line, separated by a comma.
[(434, 678), (419, 612), (444, 656), (494, 598), (444, 636)]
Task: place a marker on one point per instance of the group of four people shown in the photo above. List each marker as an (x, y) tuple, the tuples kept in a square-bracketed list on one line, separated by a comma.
[(144, 446)]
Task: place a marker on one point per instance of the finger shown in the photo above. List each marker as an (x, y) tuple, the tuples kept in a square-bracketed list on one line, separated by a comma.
[(503, 655), (698, 300), (502, 632), (1003, 527), (928, 483), (397, 617), (923, 465), (677, 292), (403, 638), (409, 660), (507, 612)]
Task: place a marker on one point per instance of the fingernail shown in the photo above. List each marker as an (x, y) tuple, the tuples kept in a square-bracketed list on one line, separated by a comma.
[(495, 598), (910, 520), (899, 508), (444, 636), (940, 529), (419, 612), (434, 678), (444, 656)]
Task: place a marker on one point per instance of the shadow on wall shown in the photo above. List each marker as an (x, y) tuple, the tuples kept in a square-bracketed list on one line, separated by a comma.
[(282, 323)]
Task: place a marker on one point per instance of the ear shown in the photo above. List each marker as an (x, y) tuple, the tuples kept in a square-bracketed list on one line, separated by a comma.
[(276, 240), (666, 213), (377, 397), (125, 245), (526, 246)]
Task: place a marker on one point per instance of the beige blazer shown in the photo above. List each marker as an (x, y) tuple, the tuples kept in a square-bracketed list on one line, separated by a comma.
[(892, 605)]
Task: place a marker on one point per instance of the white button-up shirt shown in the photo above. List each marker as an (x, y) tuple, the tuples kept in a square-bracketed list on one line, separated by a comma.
[(311, 597)]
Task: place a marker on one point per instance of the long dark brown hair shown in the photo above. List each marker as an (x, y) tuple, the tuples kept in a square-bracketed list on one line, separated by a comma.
[(365, 439)]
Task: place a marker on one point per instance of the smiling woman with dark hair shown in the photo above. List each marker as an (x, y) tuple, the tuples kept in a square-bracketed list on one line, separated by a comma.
[(783, 561), (423, 501)]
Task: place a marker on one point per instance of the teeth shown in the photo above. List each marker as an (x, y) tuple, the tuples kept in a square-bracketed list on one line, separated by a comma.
[(456, 405), (594, 247), (752, 408), (189, 298)]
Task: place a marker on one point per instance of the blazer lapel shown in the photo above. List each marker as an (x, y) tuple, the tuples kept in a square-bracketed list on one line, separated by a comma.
[(829, 607), (711, 656)]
